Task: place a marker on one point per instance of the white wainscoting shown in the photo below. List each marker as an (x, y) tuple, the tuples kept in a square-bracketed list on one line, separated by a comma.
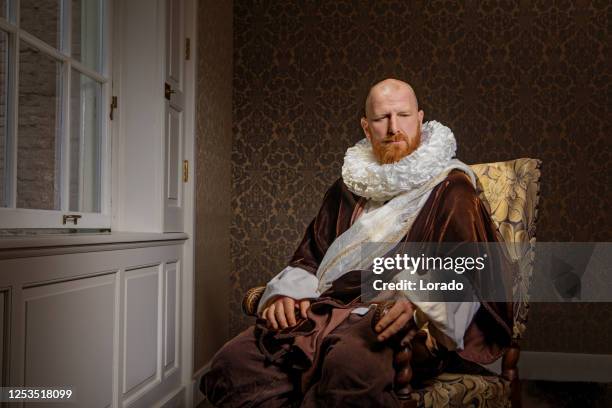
[(104, 320)]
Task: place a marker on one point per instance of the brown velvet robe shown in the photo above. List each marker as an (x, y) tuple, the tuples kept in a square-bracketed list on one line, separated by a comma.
[(314, 362), (453, 213)]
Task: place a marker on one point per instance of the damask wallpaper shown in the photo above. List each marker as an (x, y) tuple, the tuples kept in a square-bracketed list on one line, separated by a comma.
[(511, 79), (213, 179)]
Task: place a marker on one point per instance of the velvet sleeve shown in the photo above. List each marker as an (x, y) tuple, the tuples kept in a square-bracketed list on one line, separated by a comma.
[(455, 214), (333, 218)]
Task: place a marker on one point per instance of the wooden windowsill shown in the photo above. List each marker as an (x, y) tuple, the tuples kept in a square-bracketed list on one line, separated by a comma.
[(49, 244)]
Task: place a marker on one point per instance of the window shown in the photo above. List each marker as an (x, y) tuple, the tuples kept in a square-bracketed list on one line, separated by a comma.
[(54, 101)]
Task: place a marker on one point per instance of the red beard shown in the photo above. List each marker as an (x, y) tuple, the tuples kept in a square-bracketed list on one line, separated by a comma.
[(387, 152)]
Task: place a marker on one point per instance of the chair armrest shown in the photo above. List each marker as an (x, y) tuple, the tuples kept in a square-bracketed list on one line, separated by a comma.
[(251, 300)]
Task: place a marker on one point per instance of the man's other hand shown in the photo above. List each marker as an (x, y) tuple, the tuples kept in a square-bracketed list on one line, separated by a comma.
[(395, 319), (281, 312)]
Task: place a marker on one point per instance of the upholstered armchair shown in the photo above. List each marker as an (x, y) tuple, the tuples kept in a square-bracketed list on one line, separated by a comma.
[(510, 191)]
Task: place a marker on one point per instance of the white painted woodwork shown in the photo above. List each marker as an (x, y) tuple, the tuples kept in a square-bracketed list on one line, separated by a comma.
[(67, 243), (139, 279), (104, 322), (173, 159), (150, 131), (140, 325), (174, 107), (69, 336), (140, 121), (171, 317), (11, 217), (174, 41), (186, 282)]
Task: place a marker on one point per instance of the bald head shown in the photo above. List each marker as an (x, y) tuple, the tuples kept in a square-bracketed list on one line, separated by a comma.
[(392, 121), (389, 88)]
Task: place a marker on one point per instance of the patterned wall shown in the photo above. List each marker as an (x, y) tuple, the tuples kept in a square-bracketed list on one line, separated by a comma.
[(213, 178), (512, 79)]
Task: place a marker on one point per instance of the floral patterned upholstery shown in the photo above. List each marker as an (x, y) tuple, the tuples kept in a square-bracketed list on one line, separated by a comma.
[(510, 191), (463, 390)]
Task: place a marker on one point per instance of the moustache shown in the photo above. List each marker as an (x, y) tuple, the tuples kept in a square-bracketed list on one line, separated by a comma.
[(397, 137)]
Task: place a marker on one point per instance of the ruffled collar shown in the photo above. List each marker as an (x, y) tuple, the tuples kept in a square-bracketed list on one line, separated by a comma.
[(366, 177)]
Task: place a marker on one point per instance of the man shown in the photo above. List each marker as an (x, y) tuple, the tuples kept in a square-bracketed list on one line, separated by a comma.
[(313, 342)]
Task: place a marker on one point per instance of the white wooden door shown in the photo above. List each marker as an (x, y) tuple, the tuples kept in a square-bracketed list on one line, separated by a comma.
[(174, 117)]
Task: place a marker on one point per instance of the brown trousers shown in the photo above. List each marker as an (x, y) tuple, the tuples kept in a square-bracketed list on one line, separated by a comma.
[(353, 370)]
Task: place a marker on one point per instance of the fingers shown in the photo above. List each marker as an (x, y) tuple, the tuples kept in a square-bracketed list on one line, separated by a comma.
[(395, 327), (268, 314), (304, 305), (289, 307), (393, 313), (279, 312), (395, 319)]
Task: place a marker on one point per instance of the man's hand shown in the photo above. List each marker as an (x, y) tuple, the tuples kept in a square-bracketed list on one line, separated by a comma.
[(395, 319), (281, 312)]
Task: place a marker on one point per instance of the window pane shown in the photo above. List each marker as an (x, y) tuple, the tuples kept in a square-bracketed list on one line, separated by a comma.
[(38, 138), (3, 116), (85, 143), (86, 32), (42, 19)]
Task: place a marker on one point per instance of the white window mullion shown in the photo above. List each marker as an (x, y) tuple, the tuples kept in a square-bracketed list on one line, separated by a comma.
[(105, 35), (105, 149), (81, 113), (66, 27), (14, 7), (12, 72), (66, 90), (88, 71), (42, 46), (12, 115), (106, 29), (65, 136)]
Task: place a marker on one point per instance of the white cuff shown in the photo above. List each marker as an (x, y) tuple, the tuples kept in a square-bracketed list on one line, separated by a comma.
[(292, 281), (451, 318)]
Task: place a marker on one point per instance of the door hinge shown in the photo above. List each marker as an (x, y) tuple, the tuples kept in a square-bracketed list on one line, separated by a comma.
[(113, 106), (187, 49), (185, 171)]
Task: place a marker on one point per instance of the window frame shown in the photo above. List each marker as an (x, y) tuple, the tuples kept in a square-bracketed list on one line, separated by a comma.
[(12, 217)]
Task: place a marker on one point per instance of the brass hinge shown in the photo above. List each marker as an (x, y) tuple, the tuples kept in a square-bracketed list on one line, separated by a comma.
[(187, 49), (185, 171), (113, 106)]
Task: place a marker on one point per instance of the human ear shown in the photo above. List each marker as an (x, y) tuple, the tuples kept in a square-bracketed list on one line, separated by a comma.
[(366, 128), (421, 114)]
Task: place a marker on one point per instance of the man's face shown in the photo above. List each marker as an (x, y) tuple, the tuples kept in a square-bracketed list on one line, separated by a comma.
[(393, 122)]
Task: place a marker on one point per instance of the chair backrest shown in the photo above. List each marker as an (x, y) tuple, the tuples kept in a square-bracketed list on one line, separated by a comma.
[(510, 191)]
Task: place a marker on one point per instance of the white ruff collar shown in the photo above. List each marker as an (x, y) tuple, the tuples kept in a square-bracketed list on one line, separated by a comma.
[(366, 177)]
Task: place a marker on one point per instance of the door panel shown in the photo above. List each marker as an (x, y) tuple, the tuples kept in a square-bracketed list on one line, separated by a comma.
[(174, 107), (141, 296), (69, 338), (174, 28)]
